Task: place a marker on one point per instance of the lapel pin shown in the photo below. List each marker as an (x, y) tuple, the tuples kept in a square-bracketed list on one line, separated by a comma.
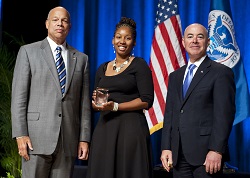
[(202, 71)]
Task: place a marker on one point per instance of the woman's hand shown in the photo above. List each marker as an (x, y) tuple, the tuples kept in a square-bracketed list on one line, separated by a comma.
[(104, 107), (94, 95)]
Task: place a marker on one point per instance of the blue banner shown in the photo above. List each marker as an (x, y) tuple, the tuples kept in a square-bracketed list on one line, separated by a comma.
[(223, 48)]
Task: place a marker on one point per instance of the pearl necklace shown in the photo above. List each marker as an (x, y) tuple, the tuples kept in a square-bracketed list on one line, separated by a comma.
[(117, 69)]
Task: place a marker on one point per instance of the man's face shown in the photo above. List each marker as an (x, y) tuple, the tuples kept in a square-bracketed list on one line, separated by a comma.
[(195, 41), (58, 25)]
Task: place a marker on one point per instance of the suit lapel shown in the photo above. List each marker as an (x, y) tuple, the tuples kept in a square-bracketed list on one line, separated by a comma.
[(49, 59), (72, 58), (200, 73)]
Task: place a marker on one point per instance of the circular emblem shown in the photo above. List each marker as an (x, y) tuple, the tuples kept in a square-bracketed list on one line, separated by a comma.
[(223, 47)]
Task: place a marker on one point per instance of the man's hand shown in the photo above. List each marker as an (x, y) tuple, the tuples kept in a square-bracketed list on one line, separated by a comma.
[(213, 162), (23, 144), (166, 159), (83, 150)]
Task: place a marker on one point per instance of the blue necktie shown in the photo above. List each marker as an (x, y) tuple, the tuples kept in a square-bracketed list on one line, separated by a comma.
[(60, 66), (188, 79)]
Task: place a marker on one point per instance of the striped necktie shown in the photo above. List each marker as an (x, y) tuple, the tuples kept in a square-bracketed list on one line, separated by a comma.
[(60, 66), (188, 79)]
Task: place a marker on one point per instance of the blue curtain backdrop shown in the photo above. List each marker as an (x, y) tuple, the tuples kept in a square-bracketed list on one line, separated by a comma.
[(93, 27)]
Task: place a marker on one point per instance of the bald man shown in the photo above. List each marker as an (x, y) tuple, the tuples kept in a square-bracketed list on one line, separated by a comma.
[(199, 116), (50, 103)]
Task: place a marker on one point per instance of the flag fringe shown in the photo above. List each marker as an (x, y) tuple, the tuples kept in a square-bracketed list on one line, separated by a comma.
[(156, 127)]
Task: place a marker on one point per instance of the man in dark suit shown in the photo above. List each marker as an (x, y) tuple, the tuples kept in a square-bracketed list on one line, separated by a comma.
[(197, 123), (51, 103)]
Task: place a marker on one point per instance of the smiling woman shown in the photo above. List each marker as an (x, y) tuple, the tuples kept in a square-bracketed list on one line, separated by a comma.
[(122, 127)]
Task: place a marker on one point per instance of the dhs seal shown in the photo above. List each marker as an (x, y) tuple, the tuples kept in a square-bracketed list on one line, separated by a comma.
[(223, 47)]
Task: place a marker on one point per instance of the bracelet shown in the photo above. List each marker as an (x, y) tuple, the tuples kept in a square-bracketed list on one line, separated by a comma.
[(115, 108), (19, 137)]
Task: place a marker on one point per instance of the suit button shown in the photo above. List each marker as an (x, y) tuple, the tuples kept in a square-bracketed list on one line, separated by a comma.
[(60, 115), (182, 111)]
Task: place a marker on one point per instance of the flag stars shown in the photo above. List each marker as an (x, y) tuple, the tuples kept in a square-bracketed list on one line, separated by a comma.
[(166, 9)]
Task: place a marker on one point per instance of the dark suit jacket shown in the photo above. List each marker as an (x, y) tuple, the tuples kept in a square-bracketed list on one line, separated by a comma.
[(201, 121), (38, 108)]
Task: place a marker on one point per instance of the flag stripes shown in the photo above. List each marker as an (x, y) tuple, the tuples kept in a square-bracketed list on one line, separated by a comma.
[(167, 55)]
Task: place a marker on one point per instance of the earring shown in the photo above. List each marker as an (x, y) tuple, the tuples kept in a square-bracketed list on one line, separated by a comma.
[(133, 52), (114, 49)]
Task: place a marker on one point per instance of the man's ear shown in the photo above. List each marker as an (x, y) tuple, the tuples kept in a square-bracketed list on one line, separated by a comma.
[(46, 23), (183, 44)]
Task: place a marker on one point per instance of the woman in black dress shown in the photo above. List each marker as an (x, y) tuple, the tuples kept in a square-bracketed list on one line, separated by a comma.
[(120, 146)]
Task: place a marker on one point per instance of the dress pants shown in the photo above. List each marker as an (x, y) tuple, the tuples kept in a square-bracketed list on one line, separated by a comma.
[(56, 165), (184, 170)]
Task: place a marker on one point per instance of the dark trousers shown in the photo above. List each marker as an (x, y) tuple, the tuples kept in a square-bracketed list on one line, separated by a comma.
[(184, 170)]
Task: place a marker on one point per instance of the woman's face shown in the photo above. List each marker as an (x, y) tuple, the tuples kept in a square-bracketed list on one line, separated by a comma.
[(123, 41)]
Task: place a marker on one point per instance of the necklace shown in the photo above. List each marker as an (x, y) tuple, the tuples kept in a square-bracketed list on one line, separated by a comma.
[(117, 69)]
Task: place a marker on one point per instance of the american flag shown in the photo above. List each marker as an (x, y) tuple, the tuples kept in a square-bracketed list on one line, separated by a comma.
[(167, 55)]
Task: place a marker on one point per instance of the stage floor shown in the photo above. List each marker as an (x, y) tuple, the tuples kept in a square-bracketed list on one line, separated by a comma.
[(81, 171)]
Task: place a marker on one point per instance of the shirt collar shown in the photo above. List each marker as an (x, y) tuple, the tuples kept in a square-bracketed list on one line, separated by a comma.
[(197, 63), (53, 45)]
